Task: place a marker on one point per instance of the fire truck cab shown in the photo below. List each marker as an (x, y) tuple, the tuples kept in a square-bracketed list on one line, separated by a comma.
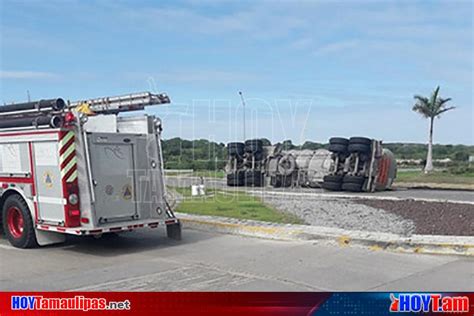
[(80, 169)]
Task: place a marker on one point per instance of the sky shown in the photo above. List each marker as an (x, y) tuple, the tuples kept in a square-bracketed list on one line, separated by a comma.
[(308, 70)]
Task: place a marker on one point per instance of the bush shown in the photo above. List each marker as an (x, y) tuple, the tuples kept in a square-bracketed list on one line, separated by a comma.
[(461, 169)]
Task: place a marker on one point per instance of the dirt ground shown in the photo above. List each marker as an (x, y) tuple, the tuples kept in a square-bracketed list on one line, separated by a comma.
[(431, 218)]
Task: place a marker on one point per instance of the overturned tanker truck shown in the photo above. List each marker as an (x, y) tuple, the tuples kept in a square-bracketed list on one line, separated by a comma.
[(357, 164)]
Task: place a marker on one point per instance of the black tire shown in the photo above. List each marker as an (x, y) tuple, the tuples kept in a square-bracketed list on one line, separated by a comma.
[(333, 178), (258, 156), (359, 148), (253, 146), (332, 186), (338, 141), (352, 187), (354, 179), (235, 179), (337, 148), (253, 178), (235, 149), (24, 238), (360, 140)]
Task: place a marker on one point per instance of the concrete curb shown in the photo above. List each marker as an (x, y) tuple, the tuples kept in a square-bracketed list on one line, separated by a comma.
[(428, 244)]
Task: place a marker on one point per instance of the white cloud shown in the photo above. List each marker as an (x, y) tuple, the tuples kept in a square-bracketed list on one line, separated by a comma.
[(12, 74)]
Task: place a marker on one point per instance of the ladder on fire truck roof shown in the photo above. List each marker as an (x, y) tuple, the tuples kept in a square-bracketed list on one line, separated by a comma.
[(123, 103), (52, 112)]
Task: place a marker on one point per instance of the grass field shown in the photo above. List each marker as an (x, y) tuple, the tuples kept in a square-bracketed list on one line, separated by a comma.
[(220, 174), (232, 204), (434, 177)]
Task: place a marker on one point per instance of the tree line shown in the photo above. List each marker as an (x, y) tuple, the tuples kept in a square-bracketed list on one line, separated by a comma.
[(206, 155)]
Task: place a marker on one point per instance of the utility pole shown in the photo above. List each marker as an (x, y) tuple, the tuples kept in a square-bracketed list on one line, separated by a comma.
[(243, 111), (28, 95)]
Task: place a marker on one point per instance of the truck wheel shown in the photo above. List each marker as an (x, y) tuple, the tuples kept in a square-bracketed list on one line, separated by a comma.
[(337, 148), (331, 186), (339, 141), (235, 179), (253, 178), (360, 140), (173, 231), (332, 178), (235, 149), (253, 145), (354, 179), (17, 223), (358, 148), (352, 187)]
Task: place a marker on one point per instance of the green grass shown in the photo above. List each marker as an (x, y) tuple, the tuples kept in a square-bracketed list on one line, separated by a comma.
[(209, 174), (232, 204), (434, 177), (220, 174)]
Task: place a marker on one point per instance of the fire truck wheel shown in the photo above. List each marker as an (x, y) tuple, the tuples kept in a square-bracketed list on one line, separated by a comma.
[(359, 148), (17, 223), (173, 231)]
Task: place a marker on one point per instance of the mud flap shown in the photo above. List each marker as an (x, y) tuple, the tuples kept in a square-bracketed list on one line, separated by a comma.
[(173, 231), (49, 238)]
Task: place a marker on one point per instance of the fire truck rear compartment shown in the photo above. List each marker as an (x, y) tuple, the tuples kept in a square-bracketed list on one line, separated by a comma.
[(113, 164), (125, 178)]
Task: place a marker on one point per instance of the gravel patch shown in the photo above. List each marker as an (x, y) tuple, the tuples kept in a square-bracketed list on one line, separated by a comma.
[(431, 218), (345, 214)]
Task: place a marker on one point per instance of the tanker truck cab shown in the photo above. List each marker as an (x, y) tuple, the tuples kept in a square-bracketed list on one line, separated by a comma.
[(88, 175)]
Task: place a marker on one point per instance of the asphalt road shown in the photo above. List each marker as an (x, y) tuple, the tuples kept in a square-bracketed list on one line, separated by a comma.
[(448, 195), (147, 261)]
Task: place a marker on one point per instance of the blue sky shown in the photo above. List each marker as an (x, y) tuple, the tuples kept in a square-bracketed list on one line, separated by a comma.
[(308, 69)]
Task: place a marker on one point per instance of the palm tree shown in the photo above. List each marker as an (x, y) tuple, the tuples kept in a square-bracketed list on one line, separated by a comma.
[(431, 108)]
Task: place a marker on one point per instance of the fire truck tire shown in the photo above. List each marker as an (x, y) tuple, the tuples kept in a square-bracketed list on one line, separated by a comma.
[(354, 179), (352, 187), (173, 231), (331, 186), (17, 223), (235, 149), (360, 140), (339, 141), (358, 148)]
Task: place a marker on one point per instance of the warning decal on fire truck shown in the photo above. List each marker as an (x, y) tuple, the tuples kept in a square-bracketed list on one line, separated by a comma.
[(67, 156)]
